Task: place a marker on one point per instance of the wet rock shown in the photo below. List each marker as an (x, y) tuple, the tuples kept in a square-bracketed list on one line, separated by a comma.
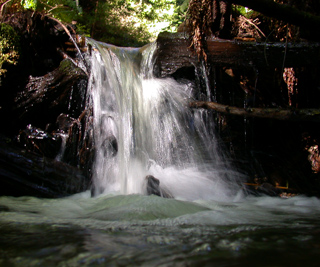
[(39, 84), (79, 147), (110, 146), (24, 173), (38, 141), (45, 98), (153, 187), (95, 190), (108, 132), (174, 53), (64, 122), (46, 90)]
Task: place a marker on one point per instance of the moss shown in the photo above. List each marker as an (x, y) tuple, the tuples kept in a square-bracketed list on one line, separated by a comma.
[(9, 47), (68, 68), (65, 66)]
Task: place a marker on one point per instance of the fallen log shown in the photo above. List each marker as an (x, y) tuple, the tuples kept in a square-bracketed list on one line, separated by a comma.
[(174, 53), (270, 113)]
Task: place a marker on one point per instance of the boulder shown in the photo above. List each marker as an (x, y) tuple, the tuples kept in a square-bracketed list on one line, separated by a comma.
[(153, 188)]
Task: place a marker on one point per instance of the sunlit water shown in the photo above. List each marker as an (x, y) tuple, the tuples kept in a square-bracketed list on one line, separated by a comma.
[(143, 126)]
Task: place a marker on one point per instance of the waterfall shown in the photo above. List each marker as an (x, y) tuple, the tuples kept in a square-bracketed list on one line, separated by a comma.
[(143, 126)]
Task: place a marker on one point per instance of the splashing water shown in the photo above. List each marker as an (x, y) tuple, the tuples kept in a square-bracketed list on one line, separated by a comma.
[(143, 126)]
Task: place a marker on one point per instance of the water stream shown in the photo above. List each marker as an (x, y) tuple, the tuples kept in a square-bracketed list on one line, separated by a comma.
[(143, 126)]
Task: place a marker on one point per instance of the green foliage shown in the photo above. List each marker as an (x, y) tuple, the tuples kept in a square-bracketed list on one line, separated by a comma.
[(131, 22), (244, 11), (29, 4), (121, 22), (9, 46), (179, 15), (64, 10)]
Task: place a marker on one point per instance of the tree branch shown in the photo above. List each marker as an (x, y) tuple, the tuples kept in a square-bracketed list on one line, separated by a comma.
[(271, 113), (72, 39), (2, 7)]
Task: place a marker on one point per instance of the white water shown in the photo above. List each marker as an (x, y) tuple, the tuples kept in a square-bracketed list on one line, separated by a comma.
[(143, 126)]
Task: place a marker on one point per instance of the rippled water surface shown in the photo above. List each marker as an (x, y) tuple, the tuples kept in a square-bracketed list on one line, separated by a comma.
[(136, 230)]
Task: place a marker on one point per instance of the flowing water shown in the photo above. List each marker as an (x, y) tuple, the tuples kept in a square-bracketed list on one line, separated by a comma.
[(143, 126)]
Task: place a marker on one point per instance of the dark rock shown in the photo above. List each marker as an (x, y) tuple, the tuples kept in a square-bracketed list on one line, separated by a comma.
[(153, 187), (36, 140), (64, 122), (40, 40), (47, 89), (95, 191), (45, 98), (79, 148), (24, 173), (110, 146), (269, 189)]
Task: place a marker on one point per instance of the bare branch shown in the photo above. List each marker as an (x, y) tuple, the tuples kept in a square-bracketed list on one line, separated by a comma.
[(55, 7), (271, 113), (2, 7)]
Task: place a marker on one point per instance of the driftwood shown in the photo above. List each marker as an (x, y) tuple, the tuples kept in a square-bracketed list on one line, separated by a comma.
[(271, 113), (174, 53)]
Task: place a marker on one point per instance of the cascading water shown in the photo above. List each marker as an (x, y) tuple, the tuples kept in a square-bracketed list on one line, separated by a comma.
[(143, 126)]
